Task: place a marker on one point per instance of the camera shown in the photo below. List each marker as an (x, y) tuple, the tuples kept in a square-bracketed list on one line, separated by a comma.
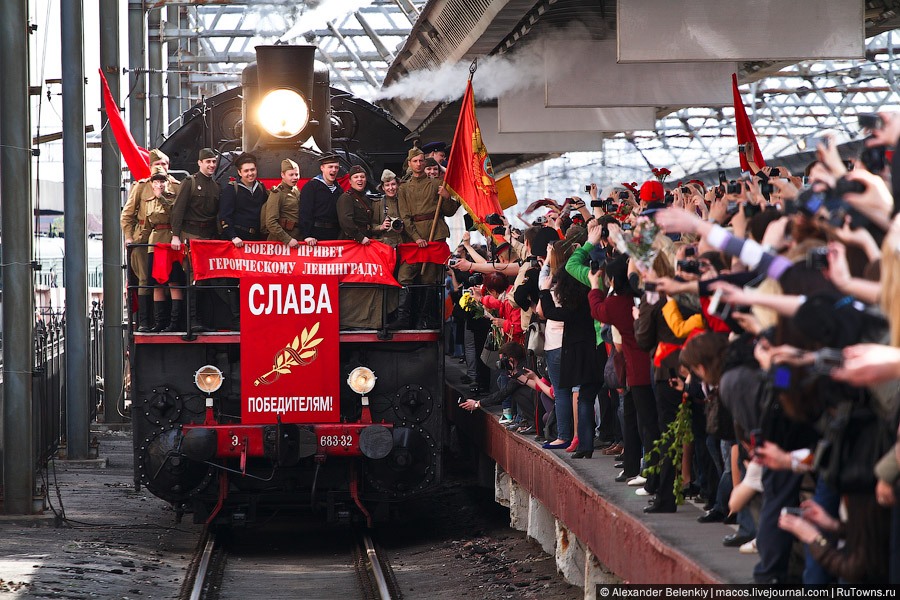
[(757, 439), (817, 258), (685, 189), (775, 172), (539, 221), (828, 359), (766, 188), (722, 177), (453, 262), (597, 203), (869, 121), (533, 262), (669, 198), (792, 510), (742, 148), (587, 189), (751, 210), (396, 224), (623, 195), (595, 266), (731, 207), (627, 226), (503, 364), (733, 187), (475, 279), (690, 251), (610, 205), (873, 159), (493, 219), (499, 230), (650, 286), (689, 266)]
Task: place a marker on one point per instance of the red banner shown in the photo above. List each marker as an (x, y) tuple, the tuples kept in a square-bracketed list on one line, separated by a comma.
[(469, 176), (434, 252), (350, 261), (137, 158), (290, 355), (744, 128)]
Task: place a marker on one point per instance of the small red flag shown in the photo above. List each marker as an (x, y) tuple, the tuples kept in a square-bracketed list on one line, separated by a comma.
[(470, 177), (744, 129), (137, 158), (434, 252)]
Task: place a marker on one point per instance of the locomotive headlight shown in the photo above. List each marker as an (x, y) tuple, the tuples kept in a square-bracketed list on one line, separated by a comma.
[(283, 113), (208, 378), (361, 380)]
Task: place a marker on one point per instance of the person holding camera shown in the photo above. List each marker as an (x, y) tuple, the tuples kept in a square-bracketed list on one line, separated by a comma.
[(518, 387), (387, 210)]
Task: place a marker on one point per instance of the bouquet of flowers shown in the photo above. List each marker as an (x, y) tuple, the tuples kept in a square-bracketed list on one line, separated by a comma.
[(639, 243), (473, 307)]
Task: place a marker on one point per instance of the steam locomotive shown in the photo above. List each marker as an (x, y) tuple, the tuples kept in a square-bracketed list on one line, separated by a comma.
[(205, 438)]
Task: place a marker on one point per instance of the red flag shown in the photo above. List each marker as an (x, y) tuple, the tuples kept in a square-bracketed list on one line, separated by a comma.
[(744, 129), (164, 258), (137, 158), (470, 177), (434, 252)]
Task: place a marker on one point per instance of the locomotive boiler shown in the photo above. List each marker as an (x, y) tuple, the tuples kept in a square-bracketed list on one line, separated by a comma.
[(205, 438)]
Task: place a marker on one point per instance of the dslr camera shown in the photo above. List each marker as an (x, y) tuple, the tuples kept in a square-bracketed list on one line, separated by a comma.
[(396, 224), (689, 266), (817, 258), (475, 279)]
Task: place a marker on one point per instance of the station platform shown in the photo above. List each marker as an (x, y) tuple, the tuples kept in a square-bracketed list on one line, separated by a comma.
[(605, 517), (101, 538)]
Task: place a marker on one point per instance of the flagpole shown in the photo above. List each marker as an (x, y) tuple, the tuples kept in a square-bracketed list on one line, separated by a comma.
[(437, 210)]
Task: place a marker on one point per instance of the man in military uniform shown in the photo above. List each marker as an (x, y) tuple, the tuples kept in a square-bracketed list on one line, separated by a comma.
[(318, 203), (136, 231), (194, 215), (418, 201), (361, 307), (241, 202), (281, 213), (159, 209), (387, 210)]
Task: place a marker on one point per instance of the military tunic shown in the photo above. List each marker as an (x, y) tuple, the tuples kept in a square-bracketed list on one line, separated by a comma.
[(196, 208), (355, 214), (136, 227), (360, 307), (387, 207), (282, 213), (417, 199)]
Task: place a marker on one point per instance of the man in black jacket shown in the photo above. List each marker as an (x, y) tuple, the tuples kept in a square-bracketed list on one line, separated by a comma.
[(318, 203), (518, 387), (240, 203)]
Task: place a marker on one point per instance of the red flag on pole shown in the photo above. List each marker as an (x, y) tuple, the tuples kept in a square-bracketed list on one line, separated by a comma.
[(137, 158), (744, 129), (470, 177)]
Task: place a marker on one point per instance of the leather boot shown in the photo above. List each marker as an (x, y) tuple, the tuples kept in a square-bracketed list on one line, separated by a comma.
[(427, 318), (145, 310), (175, 318), (403, 310), (160, 315), (197, 325)]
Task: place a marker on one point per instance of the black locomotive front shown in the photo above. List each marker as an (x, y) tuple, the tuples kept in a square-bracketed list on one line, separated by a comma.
[(192, 447)]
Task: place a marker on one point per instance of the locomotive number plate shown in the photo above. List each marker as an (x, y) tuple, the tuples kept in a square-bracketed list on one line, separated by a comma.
[(336, 441)]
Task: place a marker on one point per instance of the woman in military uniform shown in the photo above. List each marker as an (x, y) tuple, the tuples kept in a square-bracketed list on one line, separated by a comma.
[(159, 210), (361, 308), (281, 213)]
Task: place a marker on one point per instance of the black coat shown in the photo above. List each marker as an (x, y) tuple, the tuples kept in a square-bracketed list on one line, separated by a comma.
[(581, 361), (239, 210), (318, 208)]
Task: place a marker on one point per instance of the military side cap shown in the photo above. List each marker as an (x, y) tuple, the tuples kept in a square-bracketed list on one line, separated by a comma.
[(159, 172), (435, 147), (355, 169), (328, 159), (287, 164), (430, 162), (414, 152), (156, 155), (207, 153), (388, 175)]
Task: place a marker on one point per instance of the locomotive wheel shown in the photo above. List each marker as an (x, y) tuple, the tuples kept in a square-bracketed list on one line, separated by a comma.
[(409, 468), (166, 472)]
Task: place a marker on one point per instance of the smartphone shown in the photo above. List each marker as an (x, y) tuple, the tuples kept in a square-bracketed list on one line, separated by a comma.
[(587, 189), (775, 172), (722, 177), (595, 266), (869, 121), (650, 286), (757, 439), (792, 510)]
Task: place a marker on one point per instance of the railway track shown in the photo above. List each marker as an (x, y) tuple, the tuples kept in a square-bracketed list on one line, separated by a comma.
[(289, 564)]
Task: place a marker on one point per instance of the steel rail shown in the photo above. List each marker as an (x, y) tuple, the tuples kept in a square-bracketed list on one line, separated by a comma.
[(200, 576), (384, 591)]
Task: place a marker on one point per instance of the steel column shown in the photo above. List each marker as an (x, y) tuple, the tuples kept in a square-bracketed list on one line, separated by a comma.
[(74, 218), (173, 77), (18, 283), (111, 198), (137, 78), (154, 77)]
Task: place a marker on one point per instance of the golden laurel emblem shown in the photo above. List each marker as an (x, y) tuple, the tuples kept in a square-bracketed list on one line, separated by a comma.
[(481, 165), (299, 353)]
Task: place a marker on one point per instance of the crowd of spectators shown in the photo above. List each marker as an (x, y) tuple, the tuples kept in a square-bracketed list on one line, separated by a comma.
[(734, 342)]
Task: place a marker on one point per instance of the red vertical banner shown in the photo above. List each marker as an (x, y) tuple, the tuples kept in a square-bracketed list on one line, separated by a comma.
[(744, 128), (290, 350)]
